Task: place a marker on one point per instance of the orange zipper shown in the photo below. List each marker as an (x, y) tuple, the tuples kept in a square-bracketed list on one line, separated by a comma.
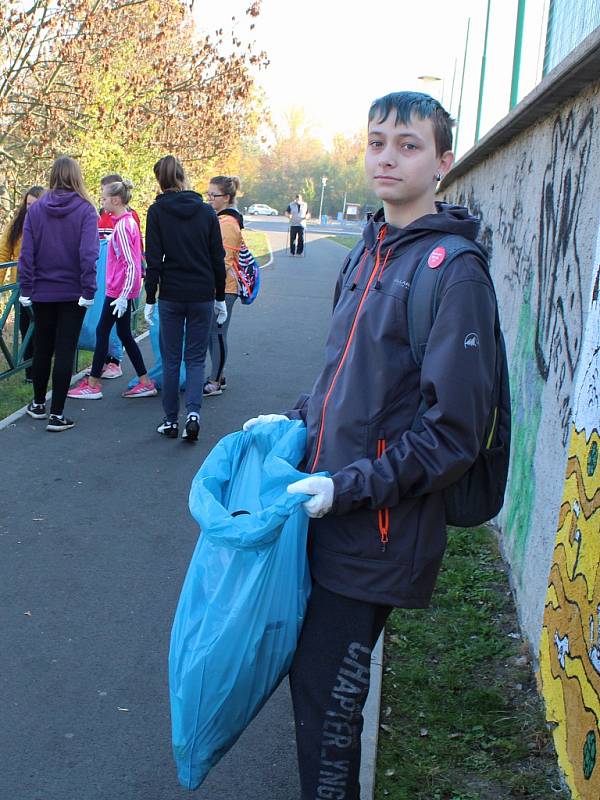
[(346, 349), (383, 515)]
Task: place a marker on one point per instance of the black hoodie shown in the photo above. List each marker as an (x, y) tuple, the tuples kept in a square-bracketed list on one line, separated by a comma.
[(184, 249), (384, 539)]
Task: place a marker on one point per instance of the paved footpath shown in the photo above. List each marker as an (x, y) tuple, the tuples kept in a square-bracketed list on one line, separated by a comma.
[(95, 539)]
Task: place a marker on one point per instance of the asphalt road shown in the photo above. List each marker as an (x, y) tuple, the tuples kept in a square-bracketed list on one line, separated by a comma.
[(95, 538)]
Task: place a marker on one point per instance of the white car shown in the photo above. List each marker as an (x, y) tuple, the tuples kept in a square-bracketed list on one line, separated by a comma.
[(261, 208)]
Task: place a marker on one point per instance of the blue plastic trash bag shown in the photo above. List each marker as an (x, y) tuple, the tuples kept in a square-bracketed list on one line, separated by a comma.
[(155, 371), (87, 337), (244, 596)]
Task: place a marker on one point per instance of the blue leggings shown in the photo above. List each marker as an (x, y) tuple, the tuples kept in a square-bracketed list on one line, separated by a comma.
[(105, 324)]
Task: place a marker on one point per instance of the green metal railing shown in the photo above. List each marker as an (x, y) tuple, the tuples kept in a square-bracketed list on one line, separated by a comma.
[(12, 346)]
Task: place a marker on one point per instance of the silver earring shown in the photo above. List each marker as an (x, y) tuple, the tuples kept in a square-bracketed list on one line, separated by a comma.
[(438, 177)]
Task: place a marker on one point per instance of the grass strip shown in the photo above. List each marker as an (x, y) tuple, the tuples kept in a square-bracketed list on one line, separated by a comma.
[(258, 244), (347, 240), (461, 717)]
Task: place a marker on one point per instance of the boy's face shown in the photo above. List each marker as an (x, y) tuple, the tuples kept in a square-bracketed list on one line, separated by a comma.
[(401, 161)]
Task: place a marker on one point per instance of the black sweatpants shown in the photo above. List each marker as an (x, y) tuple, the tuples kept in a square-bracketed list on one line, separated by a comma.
[(103, 329), (296, 232), (56, 332), (329, 680)]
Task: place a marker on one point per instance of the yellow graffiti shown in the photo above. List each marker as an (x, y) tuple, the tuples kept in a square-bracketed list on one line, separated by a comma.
[(570, 641)]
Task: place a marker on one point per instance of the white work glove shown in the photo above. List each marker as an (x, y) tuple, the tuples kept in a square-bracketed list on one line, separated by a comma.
[(120, 306), (148, 312), (322, 494), (85, 303), (25, 301), (220, 311), (261, 419)]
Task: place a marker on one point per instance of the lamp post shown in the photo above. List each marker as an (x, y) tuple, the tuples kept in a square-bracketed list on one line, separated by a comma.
[(323, 184)]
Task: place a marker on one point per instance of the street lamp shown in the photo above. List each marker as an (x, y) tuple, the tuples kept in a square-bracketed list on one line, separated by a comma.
[(323, 185), (430, 83)]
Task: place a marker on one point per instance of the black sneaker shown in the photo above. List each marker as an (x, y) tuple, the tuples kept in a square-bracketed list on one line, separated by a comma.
[(223, 383), (192, 428), (58, 424), (37, 410), (170, 429)]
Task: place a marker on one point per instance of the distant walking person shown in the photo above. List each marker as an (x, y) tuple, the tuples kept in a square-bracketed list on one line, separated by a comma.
[(297, 212), (186, 264), (57, 273), (221, 194), (10, 247)]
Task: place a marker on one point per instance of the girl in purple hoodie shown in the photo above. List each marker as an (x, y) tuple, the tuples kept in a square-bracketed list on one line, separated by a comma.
[(57, 274)]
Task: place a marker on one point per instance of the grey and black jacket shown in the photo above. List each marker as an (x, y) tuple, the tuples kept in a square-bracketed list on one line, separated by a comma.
[(384, 539)]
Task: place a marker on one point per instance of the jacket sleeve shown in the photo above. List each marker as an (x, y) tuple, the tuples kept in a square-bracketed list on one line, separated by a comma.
[(457, 377), (26, 260), (300, 409), (154, 255), (89, 249), (217, 256)]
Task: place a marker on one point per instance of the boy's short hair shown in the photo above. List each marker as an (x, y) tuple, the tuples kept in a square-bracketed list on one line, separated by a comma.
[(407, 104)]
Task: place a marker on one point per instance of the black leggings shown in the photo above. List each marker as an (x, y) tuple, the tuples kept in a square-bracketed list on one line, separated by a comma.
[(329, 680), (105, 325), (57, 327), (25, 318)]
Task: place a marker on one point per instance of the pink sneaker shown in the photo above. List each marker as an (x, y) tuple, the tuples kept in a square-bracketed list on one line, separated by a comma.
[(108, 371), (84, 391), (112, 370), (142, 390)]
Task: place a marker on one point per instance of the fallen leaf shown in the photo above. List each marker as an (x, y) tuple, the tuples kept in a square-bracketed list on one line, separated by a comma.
[(27, 613), (122, 709), (423, 732), (389, 773)]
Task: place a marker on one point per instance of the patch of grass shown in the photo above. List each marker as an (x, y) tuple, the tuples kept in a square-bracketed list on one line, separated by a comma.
[(348, 240), (258, 244), (461, 715)]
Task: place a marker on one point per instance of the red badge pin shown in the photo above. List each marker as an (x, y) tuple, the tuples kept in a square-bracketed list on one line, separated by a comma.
[(436, 257)]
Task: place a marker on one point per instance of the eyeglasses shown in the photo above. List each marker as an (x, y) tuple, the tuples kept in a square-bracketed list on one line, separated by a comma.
[(212, 195)]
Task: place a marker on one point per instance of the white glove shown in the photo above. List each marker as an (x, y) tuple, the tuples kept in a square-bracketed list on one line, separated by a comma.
[(85, 303), (25, 301), (322, 494), (120, 306), (261, 419), (220, 311), (148, 312)]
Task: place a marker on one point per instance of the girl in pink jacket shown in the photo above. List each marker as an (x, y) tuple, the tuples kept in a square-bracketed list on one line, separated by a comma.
[(123, 285)]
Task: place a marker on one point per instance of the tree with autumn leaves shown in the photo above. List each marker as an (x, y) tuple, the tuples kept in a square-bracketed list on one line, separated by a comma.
[(116, 84)]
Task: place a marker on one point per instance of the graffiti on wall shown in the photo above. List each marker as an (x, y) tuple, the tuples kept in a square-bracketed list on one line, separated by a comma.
[(570, 642)]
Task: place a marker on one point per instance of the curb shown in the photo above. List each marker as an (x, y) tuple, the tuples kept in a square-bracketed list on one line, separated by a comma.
[(4, 423), (370, 734)]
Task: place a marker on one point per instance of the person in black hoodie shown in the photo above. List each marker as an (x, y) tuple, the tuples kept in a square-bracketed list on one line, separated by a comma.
[(222, 191), (186, 264), (378, 532)]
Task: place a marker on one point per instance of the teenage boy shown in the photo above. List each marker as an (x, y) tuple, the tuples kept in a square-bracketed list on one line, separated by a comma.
[(378, 530), (297, 213), (106, 224)]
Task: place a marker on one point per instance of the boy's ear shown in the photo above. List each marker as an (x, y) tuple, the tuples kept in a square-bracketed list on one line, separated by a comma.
[(446, 161)]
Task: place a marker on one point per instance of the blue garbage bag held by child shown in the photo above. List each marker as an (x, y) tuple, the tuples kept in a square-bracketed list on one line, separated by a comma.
[(155, 371), (244, 597), (87, 336)]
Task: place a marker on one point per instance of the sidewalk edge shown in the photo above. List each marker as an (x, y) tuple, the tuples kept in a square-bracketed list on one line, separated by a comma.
[(20, 412), (370, 734)]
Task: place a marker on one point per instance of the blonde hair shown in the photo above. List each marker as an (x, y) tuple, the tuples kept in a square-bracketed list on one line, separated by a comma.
[(66, 174), (121, 189), (229, 185), (170, 174)]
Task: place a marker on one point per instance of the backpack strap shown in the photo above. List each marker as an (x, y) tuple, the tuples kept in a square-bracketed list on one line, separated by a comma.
[(423, 297)]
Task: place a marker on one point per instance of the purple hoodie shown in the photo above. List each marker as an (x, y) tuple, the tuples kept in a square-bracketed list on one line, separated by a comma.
[(59, 249)]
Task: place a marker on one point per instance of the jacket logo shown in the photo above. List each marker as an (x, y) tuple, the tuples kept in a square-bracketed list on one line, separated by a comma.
[(402, 283), (436, 257), (471, 340)]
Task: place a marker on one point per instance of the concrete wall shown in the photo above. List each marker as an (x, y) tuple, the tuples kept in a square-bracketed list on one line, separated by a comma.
[(535, 181)]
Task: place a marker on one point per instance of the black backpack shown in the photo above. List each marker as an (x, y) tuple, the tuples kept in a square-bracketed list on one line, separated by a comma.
[(479, 494)]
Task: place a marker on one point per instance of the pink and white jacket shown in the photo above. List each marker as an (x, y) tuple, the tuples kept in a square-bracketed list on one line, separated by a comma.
[(124, 259)]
